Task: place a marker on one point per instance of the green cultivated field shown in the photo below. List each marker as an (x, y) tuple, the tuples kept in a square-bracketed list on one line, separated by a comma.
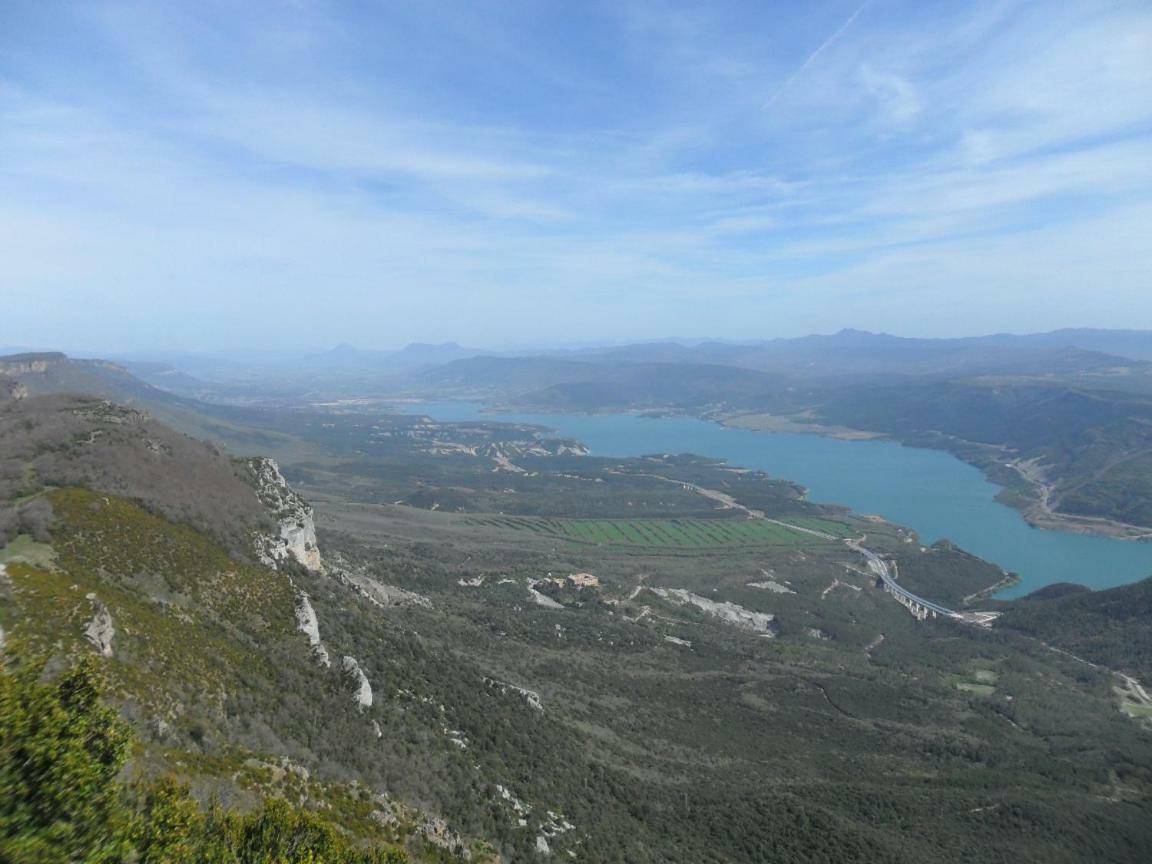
[(675, 533)]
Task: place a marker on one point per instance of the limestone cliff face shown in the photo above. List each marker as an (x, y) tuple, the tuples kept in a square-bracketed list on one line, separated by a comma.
[(362, 690), (297, 535), (29, 364), (309, 625)]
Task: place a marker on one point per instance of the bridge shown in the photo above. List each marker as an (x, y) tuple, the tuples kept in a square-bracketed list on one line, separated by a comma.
[(919, 607)]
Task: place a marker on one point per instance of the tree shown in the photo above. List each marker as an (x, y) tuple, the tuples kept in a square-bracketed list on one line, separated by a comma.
[(61, 800), (60, 753)]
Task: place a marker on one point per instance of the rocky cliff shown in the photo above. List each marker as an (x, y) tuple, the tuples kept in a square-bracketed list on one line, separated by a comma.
[(308, 624), (296, 539)]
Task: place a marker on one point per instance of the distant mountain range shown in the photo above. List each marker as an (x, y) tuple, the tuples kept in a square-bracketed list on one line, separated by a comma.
[(849, 350), (1063, 420), (857, 351), (413, 356), (249, 365)]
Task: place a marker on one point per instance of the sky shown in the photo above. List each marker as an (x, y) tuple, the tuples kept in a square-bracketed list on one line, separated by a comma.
[(211, 174)]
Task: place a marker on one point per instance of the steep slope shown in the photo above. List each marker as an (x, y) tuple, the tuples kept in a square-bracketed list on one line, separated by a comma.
[(1066, 450), (55, 374), (216, 659)]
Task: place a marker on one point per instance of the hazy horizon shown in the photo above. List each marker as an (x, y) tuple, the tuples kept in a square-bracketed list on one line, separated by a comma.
[(294, 175), (226, 352)]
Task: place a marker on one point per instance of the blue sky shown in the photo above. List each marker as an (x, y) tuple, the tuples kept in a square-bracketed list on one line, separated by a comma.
[(218, 174)]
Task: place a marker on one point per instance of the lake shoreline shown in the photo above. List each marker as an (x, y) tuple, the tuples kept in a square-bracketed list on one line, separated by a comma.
[(937, 488), (1028, 495), (1020, 490)]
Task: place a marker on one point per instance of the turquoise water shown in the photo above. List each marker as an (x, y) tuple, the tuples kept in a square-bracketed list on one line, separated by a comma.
[(931, 492)]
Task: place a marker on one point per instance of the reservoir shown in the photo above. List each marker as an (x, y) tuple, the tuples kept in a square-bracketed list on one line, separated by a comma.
[(929, 491)]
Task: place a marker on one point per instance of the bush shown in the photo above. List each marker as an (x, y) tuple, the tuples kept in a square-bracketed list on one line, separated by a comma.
[(61, 799), (60, 754)]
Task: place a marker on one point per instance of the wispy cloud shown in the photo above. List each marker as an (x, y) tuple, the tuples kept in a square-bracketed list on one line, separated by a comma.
[(812, 58), (415, 174)]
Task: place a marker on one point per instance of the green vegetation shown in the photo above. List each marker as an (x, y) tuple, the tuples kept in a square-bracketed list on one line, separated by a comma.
[(60, 754), (1108, 627), (23, 547), (687, 534), (947, 574), (62, 798), (870, 754), (164, 585), (1137, 710), (208, 663), (60, 441), (979, 679)]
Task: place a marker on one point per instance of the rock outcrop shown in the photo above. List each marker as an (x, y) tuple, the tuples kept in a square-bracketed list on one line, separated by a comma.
[(529, 696), (297, 529), (384, 596), (762, 622), (10, 389), (773, 586), (35, 363), (542, 599), (362, 692), (100, 630), (309, 625)]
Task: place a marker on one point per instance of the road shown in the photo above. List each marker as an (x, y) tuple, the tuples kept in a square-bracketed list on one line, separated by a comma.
[(877, 565), (881, 568)]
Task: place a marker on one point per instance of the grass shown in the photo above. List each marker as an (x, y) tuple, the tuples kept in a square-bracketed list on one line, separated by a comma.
[(685, 534), (979, 681), (186, 615), (24, 548)]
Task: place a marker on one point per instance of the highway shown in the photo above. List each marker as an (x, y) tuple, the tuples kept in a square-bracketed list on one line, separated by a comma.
[(915, 604)]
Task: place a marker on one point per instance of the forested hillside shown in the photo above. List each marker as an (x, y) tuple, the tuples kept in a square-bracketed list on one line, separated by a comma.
[(1109, 627)]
